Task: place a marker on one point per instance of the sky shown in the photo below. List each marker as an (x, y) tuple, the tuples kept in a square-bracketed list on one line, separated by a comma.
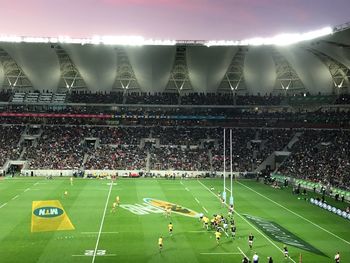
[(169, 19)]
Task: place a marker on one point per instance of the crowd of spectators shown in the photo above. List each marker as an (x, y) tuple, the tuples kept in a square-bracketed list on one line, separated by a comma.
[(195, 98), (321, 156), (5, 95), (250, 147), (96, 97), (343, 99), (116, 158), (272, 140), (182, 135), (179, 158), (160, 98), (242, 150), (329, 117), (9, 139), (59, 147)]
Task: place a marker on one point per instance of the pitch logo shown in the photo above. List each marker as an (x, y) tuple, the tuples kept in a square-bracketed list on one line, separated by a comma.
[(173, 207), (49, 216), (48, 212), (280, 234), (152, 205)]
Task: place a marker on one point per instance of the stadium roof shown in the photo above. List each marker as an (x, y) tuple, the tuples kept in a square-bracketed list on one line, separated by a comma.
[(316, 65)]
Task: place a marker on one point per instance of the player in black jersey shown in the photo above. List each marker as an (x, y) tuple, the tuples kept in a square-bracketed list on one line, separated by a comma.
[(285, 251), (250, 240), (233, 231)]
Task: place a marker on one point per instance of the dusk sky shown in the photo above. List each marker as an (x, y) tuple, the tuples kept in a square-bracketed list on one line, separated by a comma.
[(170, 19)]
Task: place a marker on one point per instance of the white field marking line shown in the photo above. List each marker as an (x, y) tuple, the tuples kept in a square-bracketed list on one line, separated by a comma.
[(240, 250), (106, 255), (15, 197), (101, 225), (205, 209), (98, 232), (296, 214), (261, 233), (222, 253), (181, 183), (195, 198)]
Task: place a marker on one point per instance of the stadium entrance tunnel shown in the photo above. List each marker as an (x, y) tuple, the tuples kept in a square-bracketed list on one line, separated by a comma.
[(14, 167)]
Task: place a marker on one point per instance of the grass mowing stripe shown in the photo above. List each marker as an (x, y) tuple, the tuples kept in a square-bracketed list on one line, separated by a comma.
[(294, 213), (242, 217), (101, 225)]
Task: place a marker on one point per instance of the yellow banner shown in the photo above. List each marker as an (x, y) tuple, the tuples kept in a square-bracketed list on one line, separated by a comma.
[(49, 216)]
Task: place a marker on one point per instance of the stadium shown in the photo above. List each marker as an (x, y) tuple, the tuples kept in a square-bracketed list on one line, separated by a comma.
[(117, 149)]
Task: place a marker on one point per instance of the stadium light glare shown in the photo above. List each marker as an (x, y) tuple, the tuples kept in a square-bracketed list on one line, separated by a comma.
[(279, 40)]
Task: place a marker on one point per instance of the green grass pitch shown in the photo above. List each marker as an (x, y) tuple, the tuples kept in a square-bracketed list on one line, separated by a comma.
[(103, 236)]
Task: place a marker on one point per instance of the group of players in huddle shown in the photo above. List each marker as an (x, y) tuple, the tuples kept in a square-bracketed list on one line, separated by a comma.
[(220, 225)]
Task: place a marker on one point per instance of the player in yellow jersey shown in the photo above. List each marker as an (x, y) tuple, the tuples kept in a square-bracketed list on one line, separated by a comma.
[(206, 222), (217, 236), (170, 228), (160, 243), (65, 193), (71, 181), (114, 207), (117, 200)]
